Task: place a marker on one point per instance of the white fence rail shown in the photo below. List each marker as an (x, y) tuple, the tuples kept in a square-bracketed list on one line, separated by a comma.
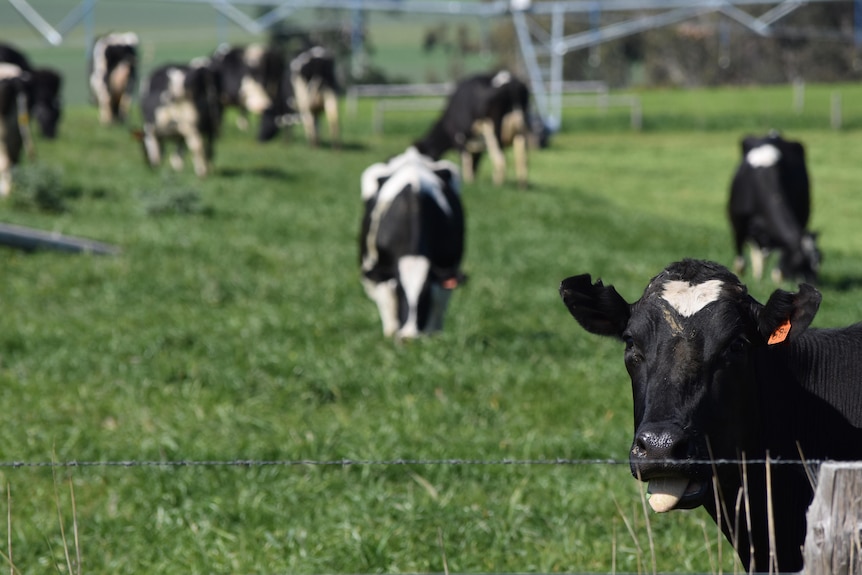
[(423, 97)]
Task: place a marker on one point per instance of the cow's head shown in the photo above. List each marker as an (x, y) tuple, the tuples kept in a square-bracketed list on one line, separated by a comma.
[(691, 343), (47, 105), (802, 263)]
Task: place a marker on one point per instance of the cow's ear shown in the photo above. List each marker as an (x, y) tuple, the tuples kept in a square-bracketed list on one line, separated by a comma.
[(786, 315), (748, 143), (598, 308), (450, 177)]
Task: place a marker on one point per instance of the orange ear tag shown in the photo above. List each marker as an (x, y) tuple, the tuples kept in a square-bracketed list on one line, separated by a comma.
[(450, 283), (780, 333)]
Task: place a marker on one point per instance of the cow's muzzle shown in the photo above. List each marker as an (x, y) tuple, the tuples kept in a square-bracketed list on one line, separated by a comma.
[(666, 457)]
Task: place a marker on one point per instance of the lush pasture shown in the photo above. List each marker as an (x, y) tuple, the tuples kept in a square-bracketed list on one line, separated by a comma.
[(233, 326)]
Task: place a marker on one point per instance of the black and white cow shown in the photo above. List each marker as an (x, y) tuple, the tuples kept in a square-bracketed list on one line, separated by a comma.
[(180, 104), (312, 90), (411, 241), (769, 208), (486, 111), (113, 74), (43, 87), (717, 375), (14, 131), (252, 82)]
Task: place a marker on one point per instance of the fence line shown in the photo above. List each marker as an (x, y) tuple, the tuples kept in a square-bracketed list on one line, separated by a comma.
[(386, 462)]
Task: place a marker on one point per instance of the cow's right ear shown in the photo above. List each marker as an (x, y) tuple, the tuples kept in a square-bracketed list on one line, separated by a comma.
[(598, 308), (786, 315)]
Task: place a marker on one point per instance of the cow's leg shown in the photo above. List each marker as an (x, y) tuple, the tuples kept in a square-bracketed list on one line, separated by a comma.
[(152, 146), (467, 166), (777, 276), (103, 98), (118, 84), (330, 105), (124, 107), (494, 150), (302, 95), (758, 256), (242, 120), (176, 158), (514, 130), (385, 296), (5, 182), (195, 143), (739, 264), (519, 147), (439, 302), (5, 171), (309, 123)]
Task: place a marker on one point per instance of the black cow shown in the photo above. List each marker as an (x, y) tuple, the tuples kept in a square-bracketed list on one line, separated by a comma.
[(113, 74), (180, 103), (769, 208), (411, 242), (312, 90), (486, 111), (252, 83), (717, 375), (14, 133), (43, 87)]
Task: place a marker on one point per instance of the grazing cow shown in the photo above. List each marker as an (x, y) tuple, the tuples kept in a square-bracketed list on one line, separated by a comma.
[(14, 131), (769, 208), (252, 82), (716, 375), (411, 242), (43, 87), (312, 90), (113, 70), (485, 111), (181, 103)]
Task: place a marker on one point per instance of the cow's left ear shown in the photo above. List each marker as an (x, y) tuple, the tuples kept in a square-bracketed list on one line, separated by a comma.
[(786, 315), (450, 177)]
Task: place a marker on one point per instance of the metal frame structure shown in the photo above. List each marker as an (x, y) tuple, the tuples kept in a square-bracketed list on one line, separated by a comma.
[(542, 48)]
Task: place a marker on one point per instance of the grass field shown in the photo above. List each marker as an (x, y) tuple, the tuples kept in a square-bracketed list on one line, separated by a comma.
[(233, 326)]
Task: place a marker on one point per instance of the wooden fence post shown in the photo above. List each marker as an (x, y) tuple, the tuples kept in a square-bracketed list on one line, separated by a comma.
[(833, 540)]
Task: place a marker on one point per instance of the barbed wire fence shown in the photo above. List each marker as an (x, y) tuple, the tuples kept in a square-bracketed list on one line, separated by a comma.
[(393, 462)]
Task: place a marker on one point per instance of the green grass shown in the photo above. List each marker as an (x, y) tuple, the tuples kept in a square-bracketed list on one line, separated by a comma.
[(233, 326)]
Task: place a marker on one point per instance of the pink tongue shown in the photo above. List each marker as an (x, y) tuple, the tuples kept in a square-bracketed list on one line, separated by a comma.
[(665, 492)]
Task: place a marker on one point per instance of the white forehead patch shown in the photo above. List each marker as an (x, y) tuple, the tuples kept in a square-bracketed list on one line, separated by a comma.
[(501, 78), (688, 299), (764, 156)]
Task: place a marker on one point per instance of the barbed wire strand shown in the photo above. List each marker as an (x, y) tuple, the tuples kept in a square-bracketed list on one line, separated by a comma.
[(385, 462)]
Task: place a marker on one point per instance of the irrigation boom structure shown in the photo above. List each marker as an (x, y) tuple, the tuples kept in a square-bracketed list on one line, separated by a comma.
[(539, 25)]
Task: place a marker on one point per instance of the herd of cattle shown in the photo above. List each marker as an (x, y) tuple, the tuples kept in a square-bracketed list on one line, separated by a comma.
[(716, 375), (181, 104)]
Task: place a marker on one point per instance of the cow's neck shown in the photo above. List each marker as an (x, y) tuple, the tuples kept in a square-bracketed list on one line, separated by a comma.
[(800, 382), (436, 143)]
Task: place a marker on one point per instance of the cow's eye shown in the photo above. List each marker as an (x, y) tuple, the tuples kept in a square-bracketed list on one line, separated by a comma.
[(632, 354), (737, 345)]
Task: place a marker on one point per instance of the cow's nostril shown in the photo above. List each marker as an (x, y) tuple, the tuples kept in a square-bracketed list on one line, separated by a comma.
[(661, 444)]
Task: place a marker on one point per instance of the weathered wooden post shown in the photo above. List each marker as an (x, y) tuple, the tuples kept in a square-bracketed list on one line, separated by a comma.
[(833, 541)]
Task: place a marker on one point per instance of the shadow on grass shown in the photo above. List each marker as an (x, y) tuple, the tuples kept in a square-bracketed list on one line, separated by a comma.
[(325, 146), (840, 283), (268, 172)]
